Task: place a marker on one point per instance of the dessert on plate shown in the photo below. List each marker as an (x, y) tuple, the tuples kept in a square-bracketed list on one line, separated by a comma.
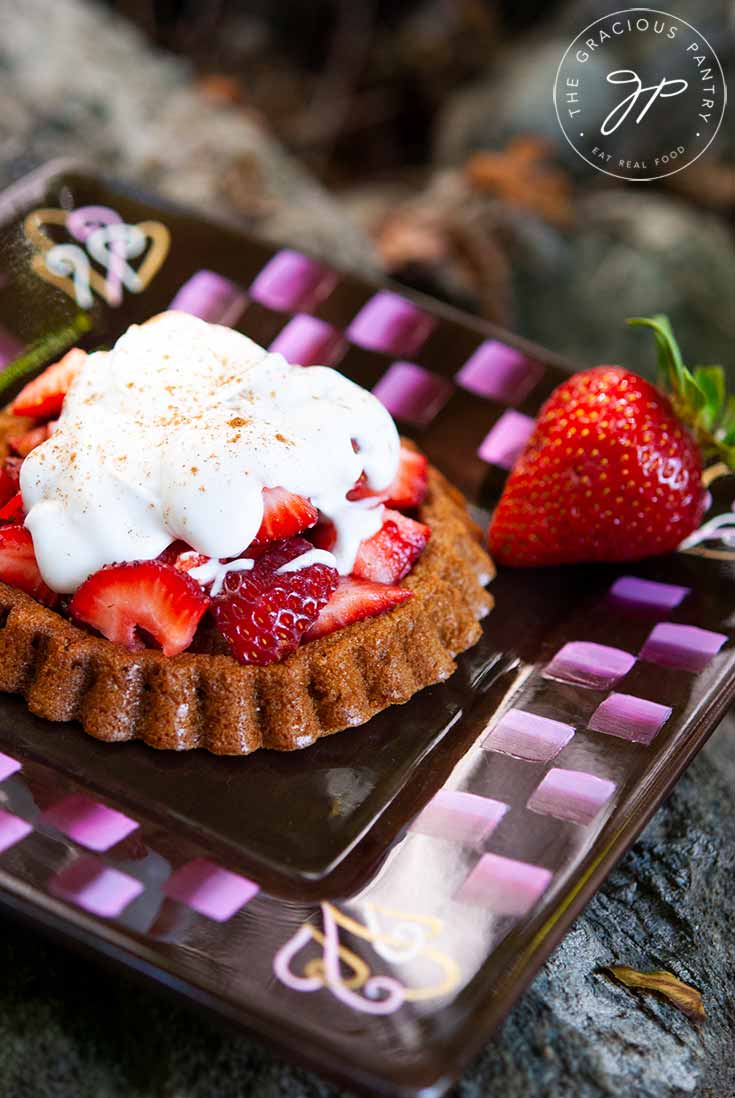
[(204, 546)]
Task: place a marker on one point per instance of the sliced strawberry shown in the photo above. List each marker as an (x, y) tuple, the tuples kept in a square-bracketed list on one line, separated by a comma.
[(264, 613), (284, 515), (360, 489), (149, 595), (18, 565), (411, 482), (12, 511), (9, 478), (29, 440), (408, 488), (354, 600), (182, 556), (42, 398), (189, 560), (324, 535), (389, 554)]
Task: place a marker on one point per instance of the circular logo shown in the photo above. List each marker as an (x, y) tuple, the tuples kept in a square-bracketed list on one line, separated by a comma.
[(640, 94)]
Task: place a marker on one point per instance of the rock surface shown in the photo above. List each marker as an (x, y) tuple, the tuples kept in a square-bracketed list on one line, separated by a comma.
[(69, 1029)]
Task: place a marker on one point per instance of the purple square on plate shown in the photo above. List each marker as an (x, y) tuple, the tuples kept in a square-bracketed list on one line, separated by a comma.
[(499, 372), (683, 647), (527, 736), (459, 817), (586, 664), (10, 347), (506, 440), (95, 887), (211, 297), (210, 889), (12, 830), (649, 594), (629, 718), (292, 282), (308, 341), (504, 885), (8, 766), (390, 323), (412, 393), (89, 823), (571, 795)]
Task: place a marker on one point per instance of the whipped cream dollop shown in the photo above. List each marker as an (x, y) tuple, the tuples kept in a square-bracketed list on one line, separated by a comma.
[(174, 433)]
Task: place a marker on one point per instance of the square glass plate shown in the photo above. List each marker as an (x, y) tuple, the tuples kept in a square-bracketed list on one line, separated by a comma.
[(375, 904)]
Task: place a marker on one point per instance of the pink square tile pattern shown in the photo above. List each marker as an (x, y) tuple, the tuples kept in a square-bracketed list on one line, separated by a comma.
[(412, 393), (648, 593), (392, 324), (459, 817), (308, 341), (683, 647), (506, 440), (95, 887), (499, 372), (8, 766), (10, 347), (292, 282), (584, 663), (503, 885), (571, 795), (528, 736), (89, 823), (629, 718), (12, 830), (210, 889), (211, 297)]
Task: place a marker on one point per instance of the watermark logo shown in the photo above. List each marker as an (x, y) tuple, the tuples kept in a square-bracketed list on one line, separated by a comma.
[(640, 94)]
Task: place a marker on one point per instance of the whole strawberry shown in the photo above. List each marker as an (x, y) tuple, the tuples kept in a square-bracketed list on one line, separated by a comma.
[(611, 473)]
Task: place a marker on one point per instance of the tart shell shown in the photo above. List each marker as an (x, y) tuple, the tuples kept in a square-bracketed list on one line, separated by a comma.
[(211, 701)]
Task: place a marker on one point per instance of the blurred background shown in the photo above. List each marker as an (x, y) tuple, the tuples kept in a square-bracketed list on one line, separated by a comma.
[(414, 136)]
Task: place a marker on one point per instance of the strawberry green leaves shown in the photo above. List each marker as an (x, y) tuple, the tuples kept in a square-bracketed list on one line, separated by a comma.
[(699, 395)]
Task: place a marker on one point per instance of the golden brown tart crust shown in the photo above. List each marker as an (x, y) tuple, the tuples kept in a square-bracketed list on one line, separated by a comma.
[(211, 701)]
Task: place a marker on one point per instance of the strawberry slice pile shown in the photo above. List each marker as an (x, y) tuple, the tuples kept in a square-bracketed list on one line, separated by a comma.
[(263, 612)]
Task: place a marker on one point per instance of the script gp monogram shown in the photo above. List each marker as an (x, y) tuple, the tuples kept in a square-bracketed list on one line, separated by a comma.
[(639, 94), (665, 89), (96, 260)]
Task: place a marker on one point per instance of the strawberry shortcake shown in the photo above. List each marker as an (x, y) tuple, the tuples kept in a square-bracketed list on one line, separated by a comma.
[(202, 545)]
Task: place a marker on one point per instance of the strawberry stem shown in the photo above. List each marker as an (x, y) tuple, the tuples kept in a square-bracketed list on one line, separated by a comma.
[(699, 395)]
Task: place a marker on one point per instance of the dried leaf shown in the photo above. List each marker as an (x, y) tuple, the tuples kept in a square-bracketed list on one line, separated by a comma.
[(221, 89), (411, 234), (243, 184), (522, 175), (687, 999)]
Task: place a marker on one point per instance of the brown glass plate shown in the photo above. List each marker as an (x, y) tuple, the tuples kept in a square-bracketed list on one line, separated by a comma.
[(376, 903)]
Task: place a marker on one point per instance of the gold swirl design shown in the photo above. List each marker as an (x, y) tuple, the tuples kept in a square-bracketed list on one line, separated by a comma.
[(409, 938), (34, 227)]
